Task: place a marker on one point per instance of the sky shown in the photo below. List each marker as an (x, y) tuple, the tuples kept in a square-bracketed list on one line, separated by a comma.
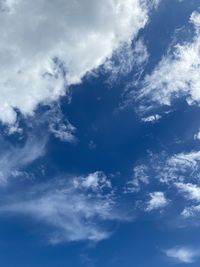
[(99, 133)]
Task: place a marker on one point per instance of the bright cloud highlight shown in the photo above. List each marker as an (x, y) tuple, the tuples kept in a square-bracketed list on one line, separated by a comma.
[(47, 46)]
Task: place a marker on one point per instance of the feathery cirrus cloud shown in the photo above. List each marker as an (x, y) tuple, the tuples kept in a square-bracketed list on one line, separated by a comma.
[(176, 75), (72, 208)]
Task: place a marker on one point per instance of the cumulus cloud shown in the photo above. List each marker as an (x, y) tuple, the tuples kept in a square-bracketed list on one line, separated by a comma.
[(46, 46), (183, 254), (76, 208), (177, 73), (157, 201)]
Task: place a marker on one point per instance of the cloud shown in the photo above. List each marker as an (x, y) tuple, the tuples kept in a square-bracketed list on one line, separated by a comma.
[(191, 191), (76, 208), (177, 175), (14, 159), (152, 118), (51, 121), (59, 126), (183, 254), (191, 211), (178, 167), (157, 201), (177, 73), (140, 178), (169, 169), (127, 59), (47, 46), (197, 136)]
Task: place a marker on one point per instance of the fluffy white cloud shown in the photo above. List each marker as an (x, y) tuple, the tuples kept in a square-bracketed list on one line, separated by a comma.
[(183, 254), (46, 46), (74, 208), (157, 201), (152, 118), (177, 74), (191, 191)]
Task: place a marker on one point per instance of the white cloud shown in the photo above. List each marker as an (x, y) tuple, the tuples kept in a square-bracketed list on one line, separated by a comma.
[(191, 211), (156, 2), (167, 169), (140, 178), (157, 201), (53, 121), (197, 136), (13, 159), (178, 167), (127, 58), (183, 254), (64, 132), (152, 118), (195, 19), (74, 208), (62, 129), (46, 46), (177, 74), (97, 181), (191, 191), (178, 173)]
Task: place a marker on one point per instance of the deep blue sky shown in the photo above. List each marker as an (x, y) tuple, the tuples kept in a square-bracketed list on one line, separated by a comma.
[(114, 141)]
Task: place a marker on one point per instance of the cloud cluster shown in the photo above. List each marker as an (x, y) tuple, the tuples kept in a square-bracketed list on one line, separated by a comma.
[(177, 74), (178, 173), (46, 46), (14, 159), (76, 208)]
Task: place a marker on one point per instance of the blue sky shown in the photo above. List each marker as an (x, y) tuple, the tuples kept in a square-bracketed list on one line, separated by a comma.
[(100, 133)]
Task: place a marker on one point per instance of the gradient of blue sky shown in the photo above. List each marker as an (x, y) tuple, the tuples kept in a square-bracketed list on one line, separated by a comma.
[(103, 166)]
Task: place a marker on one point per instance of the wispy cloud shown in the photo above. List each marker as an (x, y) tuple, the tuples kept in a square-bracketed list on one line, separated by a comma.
[(126, 59), (177, 73), (183, 254), (75, 209), (176, 175), (139, 179), (13, 159)]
